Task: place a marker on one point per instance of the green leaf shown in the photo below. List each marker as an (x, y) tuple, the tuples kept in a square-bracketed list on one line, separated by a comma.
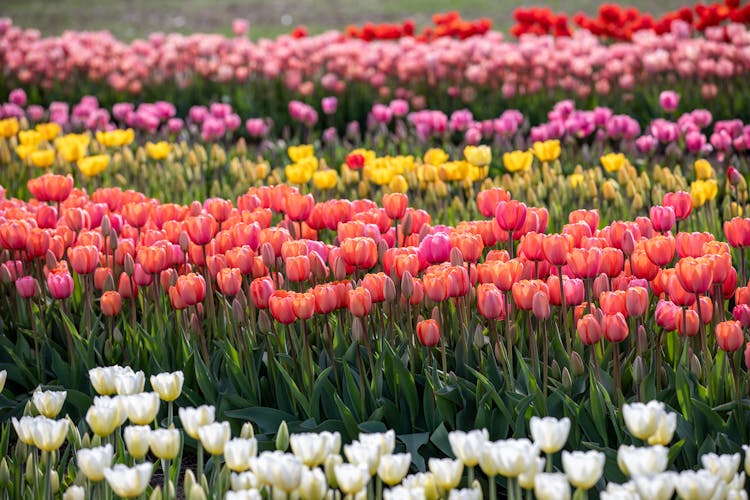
[(267, 419), (682, 387), (350, 424), (413, 442), (402, 381)]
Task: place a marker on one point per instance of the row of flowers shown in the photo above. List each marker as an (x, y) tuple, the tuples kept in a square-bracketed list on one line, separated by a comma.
[(330, 63), (103, 456), (620, 23)]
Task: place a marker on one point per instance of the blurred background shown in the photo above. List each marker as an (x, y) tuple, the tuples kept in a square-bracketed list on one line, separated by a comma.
[(129, 19)]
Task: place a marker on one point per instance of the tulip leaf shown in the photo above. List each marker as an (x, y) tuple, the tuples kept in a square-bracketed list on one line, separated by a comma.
[(350, 424), (295, 391), (413, 442), (202, 377), (267, 419), (403, 382), (597, 406), (440, 439), (682, 387)]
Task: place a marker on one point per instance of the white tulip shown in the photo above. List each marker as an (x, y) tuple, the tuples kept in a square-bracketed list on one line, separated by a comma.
[(367, 455), (103, 379), (447, 472), (142, 408), (508, 458), (278, 469), (117, 402), (3, 378), (243, 481), (168, 385), (74, 493), (404, 493), (313, 485), (551, 486), (393, 468), (656, 486), (467, 446), (127, 383), (312, 448), (465, 494), (642, 419), (424, 481), (583, 468), (665, 427), (724, 466), (696, 485), (129, 481), (103, 420), (165, 443), (49, 403), (214, 436), (620, 492), (24, 429), (93, 461), (549, 433), (384, 441), (238, 452), (352, 478), (526, 478), (635, 461), (194, 418), (49, 434), (136, 440), (251, 494)]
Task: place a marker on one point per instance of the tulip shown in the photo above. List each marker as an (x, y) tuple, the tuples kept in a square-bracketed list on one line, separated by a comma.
[(729, 336), (490, 301), (657, 486), (395, 205), (551, 486), (589, 329), (129, 482), (60, 285), (359, 302), (642, 419), (351, 478), (93, 461), (549, 433), (49, 403), (47, 434), (137, 440), (428, 332), (103, 420), (129, 382), (74, 493), (508, 458), (393, 468), (681, 203), (636, 301), (164, 443), (366, 455), (447, 472), (214, 436), (311, 448), (111, 303), (696, 484), (168, 385), (583, 469), (194, 418), (142, 408)]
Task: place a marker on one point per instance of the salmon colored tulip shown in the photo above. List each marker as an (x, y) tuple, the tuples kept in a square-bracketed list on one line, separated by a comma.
[(589, 329), (359, 302), (677, 293), (297, 268), (590, 217), (691, 244), (83, 259), (572, 287), (636, 301), (615, 327), (50, 187), (137, 214), (303, 305), (681, 202), (510, 215), (470, 245), (395, 205), (668, 315), (281, 305), (298, 207), (111, 303), (361, 252), (737, 232), (229, 281), (524, 290), (660, 249), (191, 288), (201, 228), (695, 275), (584, 262), (662, 218), (490, 301), (326, 300), (488, 199), (152, 258), (428, 332), (688, 323), (611, 262), (261, 290), (613, 302)]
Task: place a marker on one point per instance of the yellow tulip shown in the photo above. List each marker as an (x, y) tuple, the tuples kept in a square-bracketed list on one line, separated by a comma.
[(368, 154), (609, 189), (477, 173), (8, 127), (703, 170), (43, 158), (479, 156), (380, 175), (325, 179), (297, 153), (426, 173), (613, 162), (117, 137), (48, 130), (30, 137), (158, 151), (703, 191), (71, 151), (297, 173), (454, 170), (24, 150), (92, 166), (548, 150), (575, 180), (399, 184), (518, 161), (435, 156)]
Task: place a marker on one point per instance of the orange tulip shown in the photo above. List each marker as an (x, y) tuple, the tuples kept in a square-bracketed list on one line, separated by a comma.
[(261, 290), (359, 302), (395, 205), (281, 305), (584, 262), (191, 288), (681, 202), (229, 281), (361, 252), (691, 244), (636, 301), (428, 332), (695, 275), (488, 199), (297, 268), (303, 305), (615, 327), (201, 229), (83, 259), (729, 336), (556, 248), (589, 329), (111, 303)]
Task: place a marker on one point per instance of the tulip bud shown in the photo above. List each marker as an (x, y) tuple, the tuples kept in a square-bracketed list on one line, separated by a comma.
[(109, 283), (184, 241), (389, 289), (638, 370), (55, 482), (30, 470), (695, 365), (5, 275), (197, 492), (129, 265), (601, 285), (4, 474), (106, 226), (247, 431), (156, 494), (51, 260), (424, 231), (407, 285), (456, 257), (382, 248), (339, 270), (282, 437), (567, 381), (237, 312), (576, 364), (406, 224), (437, 316), (267, 255), (540, 305), (358, 333), (554, 370), (479, 338), (195, 325), (642, 339), (264, 322)]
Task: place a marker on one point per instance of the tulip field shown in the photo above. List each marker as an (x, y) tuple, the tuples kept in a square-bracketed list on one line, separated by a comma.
[(387, 262)]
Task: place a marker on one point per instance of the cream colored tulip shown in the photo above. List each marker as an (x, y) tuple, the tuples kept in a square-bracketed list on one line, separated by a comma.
[(393, 468), (214, 436), (49, 403), (194, 418), (93, 461), (127, 481), (137, 440), (142, 408), (168, 385), (164, 443)]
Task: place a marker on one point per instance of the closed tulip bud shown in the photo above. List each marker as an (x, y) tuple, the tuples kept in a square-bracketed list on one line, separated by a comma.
[(282, 437), (4, 473), (567, 380), (695, 365), (540, 305), (576, 364), (601, 285)]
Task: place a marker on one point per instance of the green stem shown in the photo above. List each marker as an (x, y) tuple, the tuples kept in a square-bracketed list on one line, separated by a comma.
[(492, 487)]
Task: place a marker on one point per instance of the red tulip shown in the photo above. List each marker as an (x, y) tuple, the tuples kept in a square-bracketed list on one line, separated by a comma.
[(510, 215), (281, 305), (681, 202)]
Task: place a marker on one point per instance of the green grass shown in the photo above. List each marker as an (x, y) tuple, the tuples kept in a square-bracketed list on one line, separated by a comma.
[(137, 18)]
